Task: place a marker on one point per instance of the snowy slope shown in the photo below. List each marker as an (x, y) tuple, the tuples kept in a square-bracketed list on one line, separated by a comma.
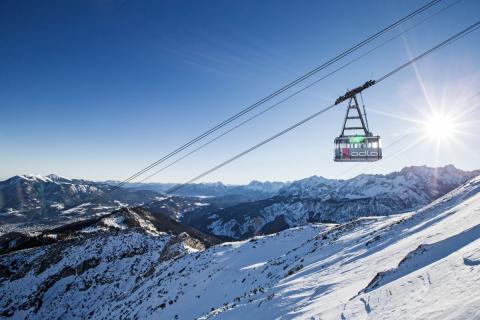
[(416, 265), (422, 265)]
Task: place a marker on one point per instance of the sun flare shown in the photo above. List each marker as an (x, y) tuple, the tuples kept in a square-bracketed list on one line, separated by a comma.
[(440, 127)]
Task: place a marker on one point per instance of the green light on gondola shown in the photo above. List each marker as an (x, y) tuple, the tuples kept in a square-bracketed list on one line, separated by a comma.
[(356, 139)]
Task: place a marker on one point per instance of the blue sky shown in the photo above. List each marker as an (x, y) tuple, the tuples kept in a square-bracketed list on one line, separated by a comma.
[(100, 89)]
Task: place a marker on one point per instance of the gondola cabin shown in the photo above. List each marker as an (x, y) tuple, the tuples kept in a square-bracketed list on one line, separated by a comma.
[(358, 149), (356, 143)]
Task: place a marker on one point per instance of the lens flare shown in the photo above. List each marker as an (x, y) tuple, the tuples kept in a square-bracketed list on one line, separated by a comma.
[(440, 127)]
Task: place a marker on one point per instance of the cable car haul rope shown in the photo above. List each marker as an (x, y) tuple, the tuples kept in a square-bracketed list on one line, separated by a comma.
[(279, 91), (366, 139), (349, 95)]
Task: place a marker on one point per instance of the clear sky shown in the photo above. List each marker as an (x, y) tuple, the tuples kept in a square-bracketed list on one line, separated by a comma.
[(100, 89)]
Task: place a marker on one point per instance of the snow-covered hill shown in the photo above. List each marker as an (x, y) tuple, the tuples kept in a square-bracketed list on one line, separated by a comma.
[(317, 199), (126, 218), (415, 265)]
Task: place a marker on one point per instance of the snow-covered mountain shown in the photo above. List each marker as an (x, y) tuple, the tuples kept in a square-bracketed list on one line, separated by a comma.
[(25, 192), (417, 182), (36, 199), (414, 265), (32, 202), (317, 199)]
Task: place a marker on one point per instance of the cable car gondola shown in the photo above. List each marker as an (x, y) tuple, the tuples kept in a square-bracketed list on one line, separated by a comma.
[(356, 147)]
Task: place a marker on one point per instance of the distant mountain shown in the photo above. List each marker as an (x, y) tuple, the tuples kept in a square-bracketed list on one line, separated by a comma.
[(317, 199), (229, 194), (26, 192), (175, 207), (44, 199), (34, 199), (420, 182), (255, 190), (33, 202), (415, 265)]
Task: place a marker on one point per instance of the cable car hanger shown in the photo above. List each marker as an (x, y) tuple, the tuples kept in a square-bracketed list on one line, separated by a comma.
[(363, 147)]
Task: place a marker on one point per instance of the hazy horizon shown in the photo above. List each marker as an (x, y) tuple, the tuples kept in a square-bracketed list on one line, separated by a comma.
[(235, 184)]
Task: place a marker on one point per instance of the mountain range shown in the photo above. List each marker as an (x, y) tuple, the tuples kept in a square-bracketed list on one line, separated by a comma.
[(317, 199), (34, 199), (419, 264), (34, 202)]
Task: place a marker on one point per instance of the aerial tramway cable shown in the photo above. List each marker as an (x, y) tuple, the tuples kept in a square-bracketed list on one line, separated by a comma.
[(295, 93), (278, 92), (368, 84)]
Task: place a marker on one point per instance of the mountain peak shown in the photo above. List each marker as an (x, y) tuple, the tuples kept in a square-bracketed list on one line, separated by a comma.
[(424, 168), (30, 177), (58, 178)]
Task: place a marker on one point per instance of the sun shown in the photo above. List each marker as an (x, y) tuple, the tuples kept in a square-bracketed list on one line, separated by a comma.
[(440, 127)]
